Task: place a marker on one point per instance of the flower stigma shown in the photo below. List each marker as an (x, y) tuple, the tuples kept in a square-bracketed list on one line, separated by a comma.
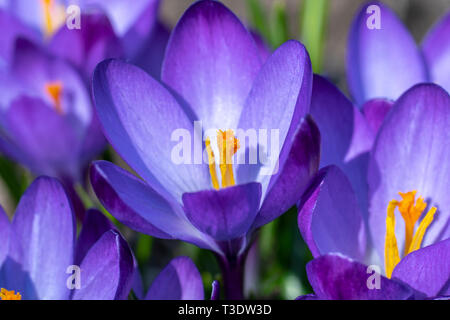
[(228, 145), (411, 210)]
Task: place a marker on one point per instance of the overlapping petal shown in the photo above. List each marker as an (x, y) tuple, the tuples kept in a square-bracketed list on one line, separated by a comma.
[(329, 216), (179, 280), (95, 224), (4, 227), (133, 202), (375, 111), (346, 137), (300, 167)]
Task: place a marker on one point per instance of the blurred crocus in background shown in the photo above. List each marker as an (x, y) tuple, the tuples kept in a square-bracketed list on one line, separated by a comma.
[(48, 123), (384, 61), (213, 69), (106, 29), (39, 253)]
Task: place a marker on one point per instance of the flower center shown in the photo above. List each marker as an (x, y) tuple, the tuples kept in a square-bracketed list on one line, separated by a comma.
[(9, 295), (54, 16), (228, 145), (54, 90), (411, 210)]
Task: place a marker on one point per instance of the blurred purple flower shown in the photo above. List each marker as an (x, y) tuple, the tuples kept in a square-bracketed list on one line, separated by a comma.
[(212, 72), (383, 63), (108, 29), (356, 217), (39, 246), (47, 120)]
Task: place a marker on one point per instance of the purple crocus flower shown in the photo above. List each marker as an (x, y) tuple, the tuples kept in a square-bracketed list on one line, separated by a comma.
[(212, 72), (405, 220), (383, 60), (48, 123), (39, 254)]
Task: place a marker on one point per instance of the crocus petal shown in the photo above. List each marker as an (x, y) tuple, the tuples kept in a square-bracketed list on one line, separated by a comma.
[(43, 135), (139, 118), (138, 206), (337, 277), (85, 48), (346, 137), (107, 270), (223, 214), (4, 227), (95, 224), (329, 217), (211, 61), (45, 224), (384, 62), (412, 152), (375, 111), (437, 52), (427, 270), (301, 165), (179, 280), (137, 285), (279, 98)]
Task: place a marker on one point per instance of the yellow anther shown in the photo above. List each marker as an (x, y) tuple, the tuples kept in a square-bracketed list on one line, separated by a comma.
[(420, 233), (391, 255), (411, 210), (54, 90), (9, 295), (212, 165), (228, 145), (48, 23)]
